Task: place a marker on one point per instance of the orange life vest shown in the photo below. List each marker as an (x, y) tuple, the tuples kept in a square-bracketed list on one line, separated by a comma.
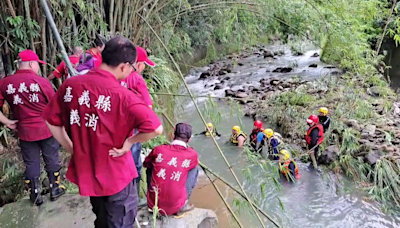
[(285, 168), (320, 134)]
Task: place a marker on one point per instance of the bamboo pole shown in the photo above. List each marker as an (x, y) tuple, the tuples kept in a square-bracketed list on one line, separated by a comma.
[(11, 8), (212, 182), (204, 122), (57, 36), (28, 17), (111, 17), (187, 95), (44, 44), (386, 25), (234, 189)]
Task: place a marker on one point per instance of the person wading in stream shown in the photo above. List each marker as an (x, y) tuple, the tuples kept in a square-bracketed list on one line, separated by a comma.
[(314, 135), (271, 139), (253, 135), (28, 94), (324, 119), (137, 84), (100, 116), (238, 137), (172, 173), (287, 166), (210, 130)]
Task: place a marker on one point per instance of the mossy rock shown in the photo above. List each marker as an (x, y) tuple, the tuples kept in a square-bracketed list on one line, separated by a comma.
[(19, 214)]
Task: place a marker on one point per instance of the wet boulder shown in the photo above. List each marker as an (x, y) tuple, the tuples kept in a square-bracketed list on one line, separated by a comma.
[(242, 95), (314, 65), (315, 55), (330, 155), (268, 54), (229, 93), (218, 86), (274, 82), (329, 67), (283, 70), (204, 75)]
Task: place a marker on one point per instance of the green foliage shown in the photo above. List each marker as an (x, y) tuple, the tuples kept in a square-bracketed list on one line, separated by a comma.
[(293, 98), (21, 30)]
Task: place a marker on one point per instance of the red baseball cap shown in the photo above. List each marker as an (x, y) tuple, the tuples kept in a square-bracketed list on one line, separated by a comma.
[(29, 55), (143, 57)]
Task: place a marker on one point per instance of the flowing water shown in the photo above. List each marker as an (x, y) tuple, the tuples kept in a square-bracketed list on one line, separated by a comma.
[(318, 199)]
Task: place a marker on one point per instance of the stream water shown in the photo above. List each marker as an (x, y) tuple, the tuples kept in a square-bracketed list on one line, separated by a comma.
[(319, 198)]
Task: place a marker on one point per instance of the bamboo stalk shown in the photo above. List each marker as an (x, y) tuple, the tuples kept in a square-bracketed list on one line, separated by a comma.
[(204, 122), (234, 189), (111, 16), (28, 17), (385, 28), (116, 14), (222, 197), (187, 95), (57, 36), (11, 8), (44, 44)]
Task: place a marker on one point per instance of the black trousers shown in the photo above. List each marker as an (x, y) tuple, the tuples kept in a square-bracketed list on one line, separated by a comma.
[(31, 156), (116, 211)]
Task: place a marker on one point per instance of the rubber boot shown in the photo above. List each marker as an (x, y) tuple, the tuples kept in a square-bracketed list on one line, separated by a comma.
[(56, 190), (34, 191)]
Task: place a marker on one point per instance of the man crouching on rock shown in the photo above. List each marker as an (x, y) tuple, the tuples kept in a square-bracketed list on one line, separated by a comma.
[(172, 174)]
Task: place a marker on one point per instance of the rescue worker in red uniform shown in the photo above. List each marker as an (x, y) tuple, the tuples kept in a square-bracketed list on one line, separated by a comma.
[(253, 135), (28, 95), (315, 134), (287, 165)]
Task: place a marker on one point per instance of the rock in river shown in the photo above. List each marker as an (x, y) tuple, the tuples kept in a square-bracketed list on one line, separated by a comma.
[(314, 65), (315, 55), (229, 93), (242, 95), (283, 70), (204, 75), (268, 54)]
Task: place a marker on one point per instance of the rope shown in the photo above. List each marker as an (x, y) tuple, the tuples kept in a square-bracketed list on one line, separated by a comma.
[(205, 124)]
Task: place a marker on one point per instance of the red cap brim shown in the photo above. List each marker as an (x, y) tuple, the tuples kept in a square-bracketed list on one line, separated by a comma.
[(42, 62), (309, 121), (149, 63)]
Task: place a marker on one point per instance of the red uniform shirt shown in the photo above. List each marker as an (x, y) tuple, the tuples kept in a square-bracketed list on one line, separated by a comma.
[(27, 94), (171, 165), (98, 115), (62, 68), (98, 59), (136, 82)]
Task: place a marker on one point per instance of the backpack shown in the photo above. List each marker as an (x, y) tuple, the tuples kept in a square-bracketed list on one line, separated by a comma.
[(86, 63)]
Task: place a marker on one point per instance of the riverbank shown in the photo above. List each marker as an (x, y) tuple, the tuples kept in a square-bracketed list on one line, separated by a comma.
[(364, 135)]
